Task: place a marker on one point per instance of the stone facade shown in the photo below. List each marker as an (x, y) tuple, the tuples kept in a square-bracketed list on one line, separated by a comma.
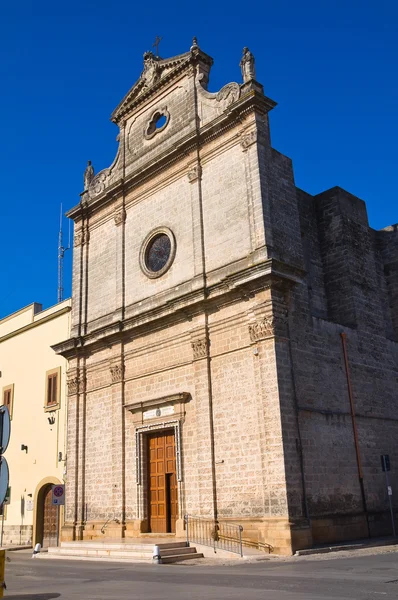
[(236, 347)]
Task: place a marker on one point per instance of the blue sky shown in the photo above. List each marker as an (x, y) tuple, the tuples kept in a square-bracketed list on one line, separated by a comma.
[(331, 66)]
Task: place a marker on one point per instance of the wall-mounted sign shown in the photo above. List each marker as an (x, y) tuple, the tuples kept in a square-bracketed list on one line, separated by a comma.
[(58, 494), (29, 504), (161, 411)]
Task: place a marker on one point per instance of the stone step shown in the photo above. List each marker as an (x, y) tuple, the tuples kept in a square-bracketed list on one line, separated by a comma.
[(173, 551), (102, 546), (84, 550), (100, 553), (46, 556), (123, 546), (179, 557)]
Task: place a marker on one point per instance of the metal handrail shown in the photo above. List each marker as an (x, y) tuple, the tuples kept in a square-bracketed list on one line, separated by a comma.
[(220, 535), (106, 523)]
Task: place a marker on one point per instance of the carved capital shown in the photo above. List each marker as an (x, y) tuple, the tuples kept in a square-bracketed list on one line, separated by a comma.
[(81, 237), (73, 386), (117, 371), (194, 173), (267, 327), (78, 239), (247, 139), (200, 348), (120, 217)]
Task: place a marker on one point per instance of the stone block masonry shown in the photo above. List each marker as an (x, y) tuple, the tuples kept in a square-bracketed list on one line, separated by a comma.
[(232, 345)]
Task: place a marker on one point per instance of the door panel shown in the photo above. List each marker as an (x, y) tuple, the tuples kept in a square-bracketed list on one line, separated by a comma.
[(163, 495), (49, 520)]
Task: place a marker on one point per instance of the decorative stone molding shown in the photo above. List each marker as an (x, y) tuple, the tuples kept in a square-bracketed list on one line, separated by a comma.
[(152, 128), (151, 72), (229, 93), (200, 348), (194, 173), (98, 183), (247, 139), (73, 386), (78, 238), (116, 372), (267, 327), (81, 237), (120, 217)]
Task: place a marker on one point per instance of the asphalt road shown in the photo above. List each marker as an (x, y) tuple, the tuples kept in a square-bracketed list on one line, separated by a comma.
[(373, 577)]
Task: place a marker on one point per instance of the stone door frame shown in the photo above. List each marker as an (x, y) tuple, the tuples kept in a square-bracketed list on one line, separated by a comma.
[(144, 425)]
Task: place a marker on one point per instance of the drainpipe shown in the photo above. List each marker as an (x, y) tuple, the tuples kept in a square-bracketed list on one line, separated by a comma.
[(354, 428)]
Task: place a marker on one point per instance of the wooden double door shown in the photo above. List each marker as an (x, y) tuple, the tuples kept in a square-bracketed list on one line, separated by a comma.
[(50, 520), (163, 491)]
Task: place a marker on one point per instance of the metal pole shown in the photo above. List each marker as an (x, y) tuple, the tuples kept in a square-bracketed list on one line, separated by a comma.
[(186, 523), (57, 524), (354, 429), (2, 524), (389, 496), (240, 539)]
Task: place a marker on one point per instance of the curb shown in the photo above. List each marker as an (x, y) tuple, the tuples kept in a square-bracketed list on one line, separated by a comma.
[(341, 548), (14, 548)]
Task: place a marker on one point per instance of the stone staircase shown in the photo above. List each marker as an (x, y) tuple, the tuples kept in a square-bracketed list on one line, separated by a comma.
[(170, 552)]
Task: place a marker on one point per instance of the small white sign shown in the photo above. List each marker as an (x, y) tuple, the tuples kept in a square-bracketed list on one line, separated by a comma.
[(389, 490), (29, 505), (163, 411)]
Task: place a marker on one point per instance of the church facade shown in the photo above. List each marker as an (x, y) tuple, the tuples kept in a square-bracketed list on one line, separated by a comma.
[(233, 352)]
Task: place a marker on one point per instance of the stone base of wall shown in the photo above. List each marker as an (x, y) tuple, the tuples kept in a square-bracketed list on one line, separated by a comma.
[(380, 523), (338, 528), (277, 535), (68, 533), (17, 535)]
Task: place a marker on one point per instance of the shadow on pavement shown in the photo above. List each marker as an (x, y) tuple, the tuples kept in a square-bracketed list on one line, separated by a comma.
[(32, 596)]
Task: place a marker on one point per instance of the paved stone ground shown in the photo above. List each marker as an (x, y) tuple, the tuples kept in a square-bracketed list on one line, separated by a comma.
[(369, 574)]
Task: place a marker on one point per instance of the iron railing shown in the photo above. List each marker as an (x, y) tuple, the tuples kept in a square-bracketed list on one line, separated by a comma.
[(220, 535)]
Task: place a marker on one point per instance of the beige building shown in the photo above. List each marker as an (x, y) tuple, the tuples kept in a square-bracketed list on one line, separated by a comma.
[(33, 384), (230, 332)]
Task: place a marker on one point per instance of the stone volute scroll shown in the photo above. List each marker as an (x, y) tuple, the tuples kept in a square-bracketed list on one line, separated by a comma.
[(247, 65), (88, 175)]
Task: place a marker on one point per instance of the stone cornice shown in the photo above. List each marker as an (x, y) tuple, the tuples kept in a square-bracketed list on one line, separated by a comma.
[(153, 402), (232, 287), (37, 323)]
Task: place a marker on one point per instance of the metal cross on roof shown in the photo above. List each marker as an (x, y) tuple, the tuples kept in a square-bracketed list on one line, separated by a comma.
[(156, 44)]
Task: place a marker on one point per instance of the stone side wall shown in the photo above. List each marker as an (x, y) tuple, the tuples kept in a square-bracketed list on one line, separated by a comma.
[(353, 284), (15, 535), (386, 242)]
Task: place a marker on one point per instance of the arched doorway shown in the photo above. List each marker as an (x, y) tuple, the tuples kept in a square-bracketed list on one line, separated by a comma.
[(47, 518)]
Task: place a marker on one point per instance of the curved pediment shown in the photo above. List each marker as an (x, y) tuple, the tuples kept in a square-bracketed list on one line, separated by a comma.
[(156, 72)]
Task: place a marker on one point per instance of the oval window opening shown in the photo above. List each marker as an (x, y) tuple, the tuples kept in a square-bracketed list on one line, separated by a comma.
[(160, 121), (158, 253)]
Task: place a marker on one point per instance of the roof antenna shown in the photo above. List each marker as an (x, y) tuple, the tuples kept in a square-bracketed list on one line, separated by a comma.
[(61, 252)]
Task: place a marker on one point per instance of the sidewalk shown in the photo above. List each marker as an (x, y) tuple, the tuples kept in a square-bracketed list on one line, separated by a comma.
[(350, 545), (12, 548)]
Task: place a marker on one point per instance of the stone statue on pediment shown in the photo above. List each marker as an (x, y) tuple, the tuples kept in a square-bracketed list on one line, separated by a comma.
[(88, 175), (247, 66)]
